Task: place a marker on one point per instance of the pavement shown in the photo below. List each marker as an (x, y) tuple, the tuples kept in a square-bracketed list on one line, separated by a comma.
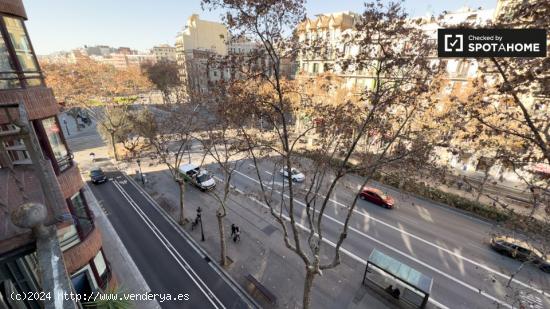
[(171, 264), (148, 252), (448, 245), (128, 275), (124, 267), (438, 241)]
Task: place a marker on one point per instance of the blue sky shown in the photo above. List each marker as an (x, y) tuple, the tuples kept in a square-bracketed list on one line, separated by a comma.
[(56, 25)]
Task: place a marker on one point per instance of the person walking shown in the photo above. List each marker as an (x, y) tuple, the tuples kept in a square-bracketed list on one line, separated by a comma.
[(237, 236), (233, 229), (197, 219)]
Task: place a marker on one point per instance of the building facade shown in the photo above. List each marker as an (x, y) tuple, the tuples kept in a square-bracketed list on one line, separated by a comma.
[(164, 52), (460, 72), (195, 44), (36, 166)]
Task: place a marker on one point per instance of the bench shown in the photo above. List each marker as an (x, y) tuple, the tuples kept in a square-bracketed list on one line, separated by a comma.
[(267, 294)]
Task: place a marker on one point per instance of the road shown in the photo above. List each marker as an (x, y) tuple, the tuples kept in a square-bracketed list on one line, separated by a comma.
[(440, 242), (168, 260)]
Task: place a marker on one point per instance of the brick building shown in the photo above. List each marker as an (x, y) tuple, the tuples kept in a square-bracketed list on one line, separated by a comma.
[(36, 166)]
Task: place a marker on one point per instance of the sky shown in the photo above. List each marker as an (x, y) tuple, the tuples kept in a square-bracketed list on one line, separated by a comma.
[(56, 25)]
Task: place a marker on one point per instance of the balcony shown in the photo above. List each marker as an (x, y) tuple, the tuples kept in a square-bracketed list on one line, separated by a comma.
[(70, 181), (28, 182), (39, 102), (79, 255)]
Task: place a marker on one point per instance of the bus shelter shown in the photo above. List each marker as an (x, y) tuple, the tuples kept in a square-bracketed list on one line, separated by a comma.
[(391, 274)]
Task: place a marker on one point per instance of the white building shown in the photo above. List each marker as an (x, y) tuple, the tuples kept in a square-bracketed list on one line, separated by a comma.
[(164, 52), (195, 44)]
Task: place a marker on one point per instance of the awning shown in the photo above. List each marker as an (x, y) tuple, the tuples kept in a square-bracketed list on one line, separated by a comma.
[(401, 271)]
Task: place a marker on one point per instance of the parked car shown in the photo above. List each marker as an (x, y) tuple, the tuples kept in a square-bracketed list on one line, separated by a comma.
[(97, 176), (520, 250), (295, 174), (377, 197), (199, 177)]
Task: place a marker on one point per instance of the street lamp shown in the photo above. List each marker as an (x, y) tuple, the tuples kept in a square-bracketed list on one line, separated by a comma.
[(199, 211), (66, 126), (140, 172)]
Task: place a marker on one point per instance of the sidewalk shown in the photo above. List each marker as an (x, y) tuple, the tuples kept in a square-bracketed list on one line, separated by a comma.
[(261, 251), (128, 275)]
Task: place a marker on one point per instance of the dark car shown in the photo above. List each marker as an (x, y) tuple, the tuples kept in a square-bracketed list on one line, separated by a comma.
[(377, 197), (520, 250), (97, 176)]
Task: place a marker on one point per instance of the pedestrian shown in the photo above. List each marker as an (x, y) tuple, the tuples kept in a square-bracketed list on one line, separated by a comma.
[(197, 220), (233, 229), (237, 236)]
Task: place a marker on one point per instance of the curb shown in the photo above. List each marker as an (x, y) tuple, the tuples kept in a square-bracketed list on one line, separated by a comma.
[(440, 204), (217, 268), (99, 212)]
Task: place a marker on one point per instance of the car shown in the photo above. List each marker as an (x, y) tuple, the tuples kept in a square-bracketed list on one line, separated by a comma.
[(199, 177), (97, 176), (295, 174), (377, 197), (520, 250)]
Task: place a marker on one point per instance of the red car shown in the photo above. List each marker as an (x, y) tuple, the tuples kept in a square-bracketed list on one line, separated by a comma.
[(377, 197)]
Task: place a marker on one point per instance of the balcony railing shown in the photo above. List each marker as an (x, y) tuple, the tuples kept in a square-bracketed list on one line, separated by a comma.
[(65, 163)]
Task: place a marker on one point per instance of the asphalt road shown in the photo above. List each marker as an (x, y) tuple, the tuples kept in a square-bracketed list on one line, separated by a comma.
[(445, 244), (168, 261)]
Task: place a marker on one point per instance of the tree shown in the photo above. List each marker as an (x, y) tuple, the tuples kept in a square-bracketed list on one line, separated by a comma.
[(401, 83), (113, 120), (170, 137), (101, 89), (507, 113), (164, 75), (511, 97), (220, 143), (128, 136)]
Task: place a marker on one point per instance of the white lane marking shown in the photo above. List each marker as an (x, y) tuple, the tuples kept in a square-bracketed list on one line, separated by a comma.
[(342, 249), (227, 278), (269, 173), (460, 282), (485, 267), (173, 252)]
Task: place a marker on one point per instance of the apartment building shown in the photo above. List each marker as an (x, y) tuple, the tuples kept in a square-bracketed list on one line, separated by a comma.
[(55, 244), (195, 44), (329, 28), (164, 52)]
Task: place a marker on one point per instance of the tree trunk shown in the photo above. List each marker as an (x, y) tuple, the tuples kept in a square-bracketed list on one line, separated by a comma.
[(482, 185), (308, 284), (113, 144), (181, 186), (223, 247)]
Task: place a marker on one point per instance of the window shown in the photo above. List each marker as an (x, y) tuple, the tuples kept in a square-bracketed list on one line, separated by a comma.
[(315, 68), (60, 152), (8, 76), (23, 50), (81, 215), (101, 267), (68, 237)]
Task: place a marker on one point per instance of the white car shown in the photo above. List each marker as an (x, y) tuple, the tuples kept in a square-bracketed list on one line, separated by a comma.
[(197, 176), (295, 174)]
